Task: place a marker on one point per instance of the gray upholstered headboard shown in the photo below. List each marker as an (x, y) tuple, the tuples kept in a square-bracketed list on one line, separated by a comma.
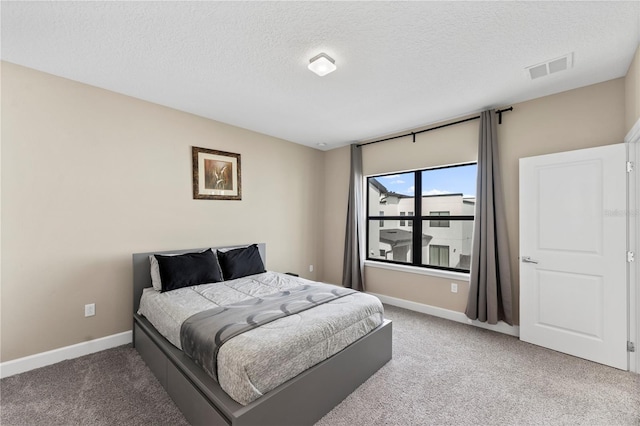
[(141, 267)]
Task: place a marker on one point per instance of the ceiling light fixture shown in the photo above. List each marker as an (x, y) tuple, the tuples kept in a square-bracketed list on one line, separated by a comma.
[(322, 64)]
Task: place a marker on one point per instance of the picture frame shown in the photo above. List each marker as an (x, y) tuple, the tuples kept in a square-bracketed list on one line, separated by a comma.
[(216, 175)]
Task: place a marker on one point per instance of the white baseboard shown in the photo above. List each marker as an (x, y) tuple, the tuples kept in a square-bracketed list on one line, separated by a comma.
[(501, 327), (43, 359), (31, 362)]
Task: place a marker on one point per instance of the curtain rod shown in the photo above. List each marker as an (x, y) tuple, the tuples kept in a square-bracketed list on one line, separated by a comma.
[(499, 112)]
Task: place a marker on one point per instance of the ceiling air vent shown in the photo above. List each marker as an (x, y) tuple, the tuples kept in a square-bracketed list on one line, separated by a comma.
[(549, 67)]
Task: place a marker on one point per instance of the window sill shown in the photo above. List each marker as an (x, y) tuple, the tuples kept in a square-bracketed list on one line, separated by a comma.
[(452, 275)]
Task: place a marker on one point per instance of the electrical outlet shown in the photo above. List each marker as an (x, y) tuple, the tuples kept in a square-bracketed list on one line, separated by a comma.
[(310, 268), (454, 288), (90, 310)]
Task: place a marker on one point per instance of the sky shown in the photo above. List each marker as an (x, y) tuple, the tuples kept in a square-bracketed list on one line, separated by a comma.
[(451, 180)]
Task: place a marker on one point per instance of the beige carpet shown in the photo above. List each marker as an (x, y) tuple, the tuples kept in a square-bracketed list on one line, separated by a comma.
[(446, 373), (113, 387), (442, 373)]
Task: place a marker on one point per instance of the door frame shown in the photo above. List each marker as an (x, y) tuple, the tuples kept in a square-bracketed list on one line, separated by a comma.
[(632, 141)]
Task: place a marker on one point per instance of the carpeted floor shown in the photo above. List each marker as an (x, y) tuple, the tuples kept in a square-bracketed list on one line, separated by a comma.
[(113, 387), (442, 373)]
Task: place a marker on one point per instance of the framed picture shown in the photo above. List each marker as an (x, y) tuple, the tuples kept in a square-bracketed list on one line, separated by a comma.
[(216, 175)]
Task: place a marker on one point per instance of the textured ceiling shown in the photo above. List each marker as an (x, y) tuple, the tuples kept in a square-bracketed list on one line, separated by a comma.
[(401, 65)]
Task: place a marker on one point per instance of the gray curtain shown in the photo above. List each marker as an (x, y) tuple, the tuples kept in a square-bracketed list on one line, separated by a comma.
[(353, 248), (490, 285)]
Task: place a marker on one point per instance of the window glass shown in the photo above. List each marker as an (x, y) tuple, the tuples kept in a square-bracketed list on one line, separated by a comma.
[(391, 194), (449, 180), (388, 242), (448, 247)]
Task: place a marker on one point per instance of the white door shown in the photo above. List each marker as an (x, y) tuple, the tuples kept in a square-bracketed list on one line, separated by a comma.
[(573, 239)]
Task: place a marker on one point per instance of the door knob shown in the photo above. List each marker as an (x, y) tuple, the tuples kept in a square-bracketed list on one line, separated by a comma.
[(527, 259)]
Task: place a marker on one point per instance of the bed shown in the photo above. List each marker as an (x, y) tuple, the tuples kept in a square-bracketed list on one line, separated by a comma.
[(301, 400)]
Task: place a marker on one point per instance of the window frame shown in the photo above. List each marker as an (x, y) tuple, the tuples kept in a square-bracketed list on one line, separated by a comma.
[(414, 222)]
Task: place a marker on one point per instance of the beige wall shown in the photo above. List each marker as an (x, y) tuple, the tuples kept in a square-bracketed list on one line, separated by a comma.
[(581, 118), (90, 177), (451, 145), (632, 92), (336, 194)]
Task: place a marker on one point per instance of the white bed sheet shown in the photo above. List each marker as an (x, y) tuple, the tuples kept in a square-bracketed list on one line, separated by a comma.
[(255, 362)]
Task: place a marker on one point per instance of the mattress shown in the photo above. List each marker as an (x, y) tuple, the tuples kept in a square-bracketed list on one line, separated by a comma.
[(257, 361)]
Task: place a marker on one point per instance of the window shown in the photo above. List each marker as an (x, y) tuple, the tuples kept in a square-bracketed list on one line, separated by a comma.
[(388, 237), (439, 223), (412, 230), (438, 255)]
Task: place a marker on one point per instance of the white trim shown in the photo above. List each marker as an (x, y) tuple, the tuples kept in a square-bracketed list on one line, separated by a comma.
[(632, 140), (501, 327), (450, 275), (31, 362)]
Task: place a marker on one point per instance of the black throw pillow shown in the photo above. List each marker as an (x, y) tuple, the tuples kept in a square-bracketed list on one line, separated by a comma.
[(188, 269), (238, 263)]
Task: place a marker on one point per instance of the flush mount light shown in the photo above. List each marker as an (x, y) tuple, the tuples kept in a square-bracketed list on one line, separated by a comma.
[(322, 64)]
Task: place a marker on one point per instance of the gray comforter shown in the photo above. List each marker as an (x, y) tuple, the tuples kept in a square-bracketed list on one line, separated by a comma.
[(202, 334)]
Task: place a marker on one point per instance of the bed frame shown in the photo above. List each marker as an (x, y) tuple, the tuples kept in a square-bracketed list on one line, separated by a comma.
[(302, 400)]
